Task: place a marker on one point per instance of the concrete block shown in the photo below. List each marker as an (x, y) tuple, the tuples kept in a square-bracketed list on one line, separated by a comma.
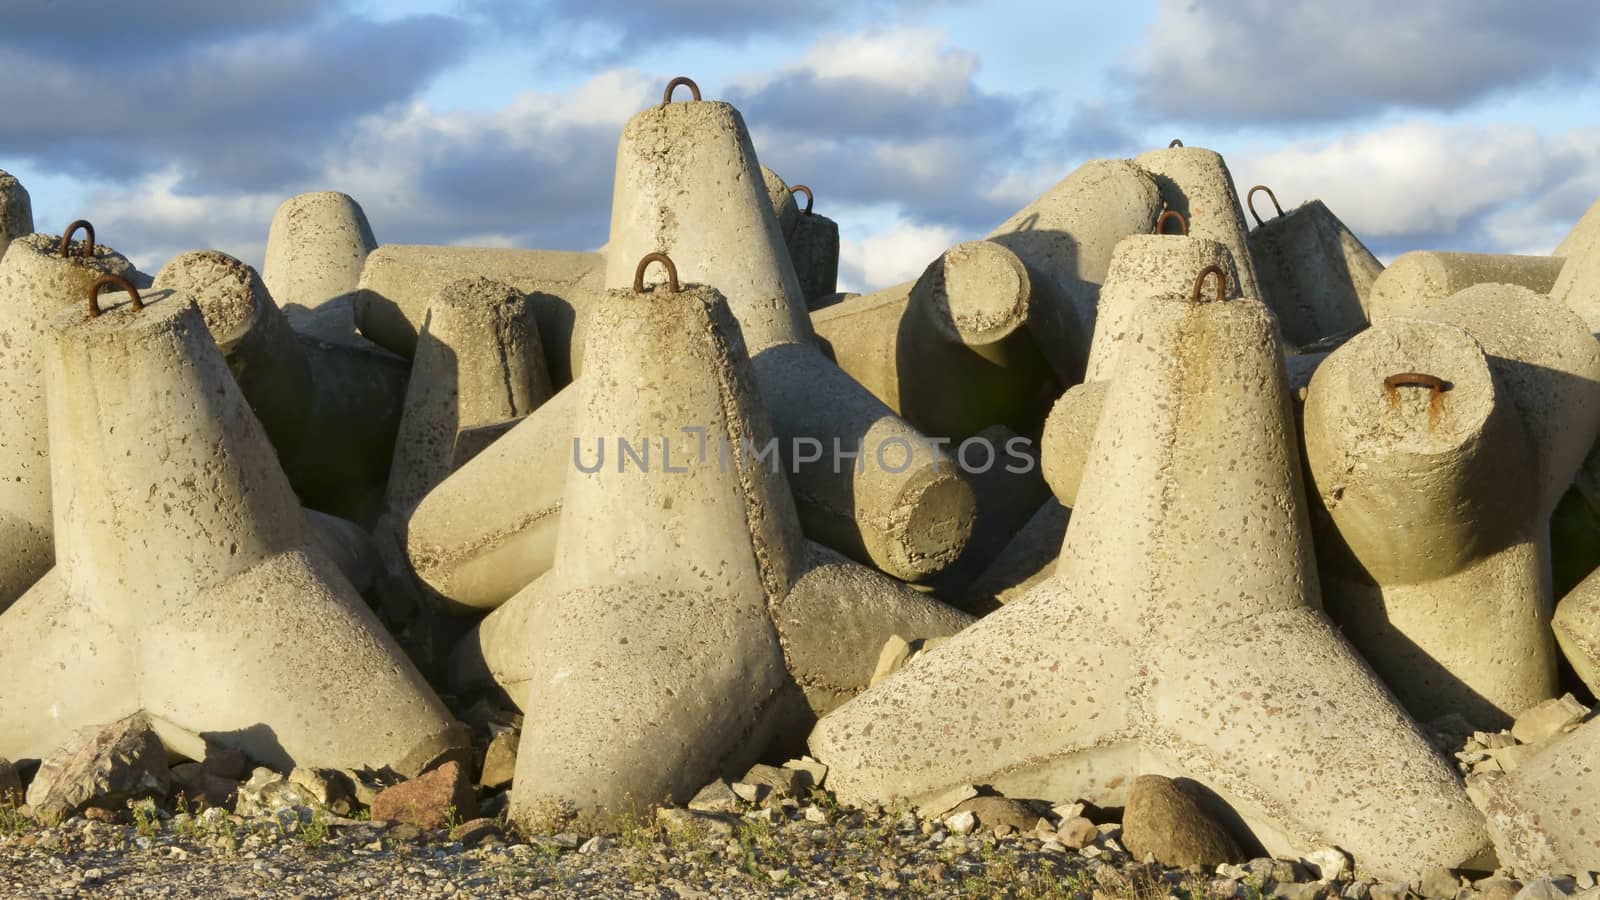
[(1542, 815), (190, 586), (1068, 434), (1181, 661), (1577, 629), (1066, 238), (40, 275), (657, 361), (400, 280), (814, 250), (317, 246), (1418, 280), (949, 351), (1316, 273), (1027, 560), (16, 211), (1438, 449)]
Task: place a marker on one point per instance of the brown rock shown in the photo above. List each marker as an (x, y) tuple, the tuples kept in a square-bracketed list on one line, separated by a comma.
[(783, 782), (1164, 821), (432, 800), (1000, 812), (101, 766), (1077, 833), (500, 760)]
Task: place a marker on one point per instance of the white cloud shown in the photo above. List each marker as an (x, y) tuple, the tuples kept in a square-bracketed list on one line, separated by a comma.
[(892, 256)]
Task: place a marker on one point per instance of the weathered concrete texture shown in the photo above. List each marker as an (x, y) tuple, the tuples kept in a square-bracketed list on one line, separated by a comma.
[(16, 211), (1003, 469), (1435, 557), (1027, 560), (1418, 280), (1578, 285), (688, 184), (1066, 238), (348, 545), (671, 636), (1146, 267), (814, 250), (317, 246), (1153, 651), (400, 280), (1584, 236), (489, 529), (1542, 815), (188, 571), (949, 351), (1195, 182), (331, 410), (1068, 434), (1315, 272), (784, 206), (36, 283)]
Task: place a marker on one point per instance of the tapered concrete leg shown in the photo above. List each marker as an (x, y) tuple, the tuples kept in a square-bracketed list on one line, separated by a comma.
[(36, 282), (182, 540), (814, 249), (1542, 814), (316, 247), (1152, 648), (1066, 238), (1195, 182), (1318, 273), (16, 211), (1417, 281), (399, 281), (1146, 267), (671, 638), (1029, 559)]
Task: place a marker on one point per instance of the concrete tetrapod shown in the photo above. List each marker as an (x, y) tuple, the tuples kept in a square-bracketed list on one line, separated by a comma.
[(1439, 448), (949, 351), (1418, 280), (1577, 628), (814, 250), (331, 409), (39, 276), (1195, 182), (1542, 814), (658, 613), (400, 280), (187, 566), (1066, 238), (866, 482), (317, 246), (16, 211), (1317, 271), (1152, 650)]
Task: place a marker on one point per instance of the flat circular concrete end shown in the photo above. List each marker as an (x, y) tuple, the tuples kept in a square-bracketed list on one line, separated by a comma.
[(931, 523), (1068, 432), (976, 292), (230, 295)]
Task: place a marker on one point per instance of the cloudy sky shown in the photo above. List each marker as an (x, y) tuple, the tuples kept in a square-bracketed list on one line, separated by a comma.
[(1453, 124)]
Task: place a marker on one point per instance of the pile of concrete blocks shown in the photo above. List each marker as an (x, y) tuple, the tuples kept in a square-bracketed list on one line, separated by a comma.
[(1124, 488)]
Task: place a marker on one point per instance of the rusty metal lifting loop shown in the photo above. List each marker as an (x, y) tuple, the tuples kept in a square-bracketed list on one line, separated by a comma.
[(66, 238), (802, 189), (1175, 143), (114, 281), (666, 95), (672, 272), (1200, 280), (1250, 201), (1435, 386), (1170, 216)]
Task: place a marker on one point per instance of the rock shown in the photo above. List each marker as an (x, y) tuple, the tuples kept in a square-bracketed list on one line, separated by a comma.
[(1547, 720), (267, 792), (1540, 888), (329, 788), (1495, 740), (101, 766), (1438, 883), (192, 784), (431, 800), (940, 804), (369, 783), (1000, 812), (1077, 833), (476, 832), (1497, 887), (1064, 811), (10, 784), (688, 820), (962, 823), (1162, 820), (597, 844), (1509, 758), (1328, 863), (896, 652), (500, 760), (749, 793), (716, 797), (784, 782), (1389, 890), (405, 832), (817, 772), (1309, 890), (1356, 890)]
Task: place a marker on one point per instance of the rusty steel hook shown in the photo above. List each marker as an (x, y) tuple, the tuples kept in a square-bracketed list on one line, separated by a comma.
[(800, 188), (1168, 216), (1250, 201), (1436, 387), (672, 272), (66, 238), (1175, 143), (666, 95), (1200, 280), (115, 281)]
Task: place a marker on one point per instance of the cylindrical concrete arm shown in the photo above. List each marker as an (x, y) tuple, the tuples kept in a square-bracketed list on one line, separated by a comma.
[(1417, 281)]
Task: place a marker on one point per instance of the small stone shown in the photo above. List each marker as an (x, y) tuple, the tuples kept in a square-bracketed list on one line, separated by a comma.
[(1232, 871), (1000, 812), (717, 796), (432, 800), (1541, 888), (500, 760), (1053, 847), (268, 791), (943, 803), (962, 823), (1583, 881), (1163, 820), (816, 771), (1546, 720), (783, 782), (597, 844), (1063, 811), (1497, 887), (1077, 833), (749, 793), (1495, 740), (688, 820), (778, 876), (1438, 883), (816, 815), (1329, 863), (896, 653), (329, 788), (1287, 890), (1510, 757), (1356, 890), (1224, 887), (1091, 852), (1272, 871), (405, 832), (1389, 890), (103, 765), (476, 832)]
